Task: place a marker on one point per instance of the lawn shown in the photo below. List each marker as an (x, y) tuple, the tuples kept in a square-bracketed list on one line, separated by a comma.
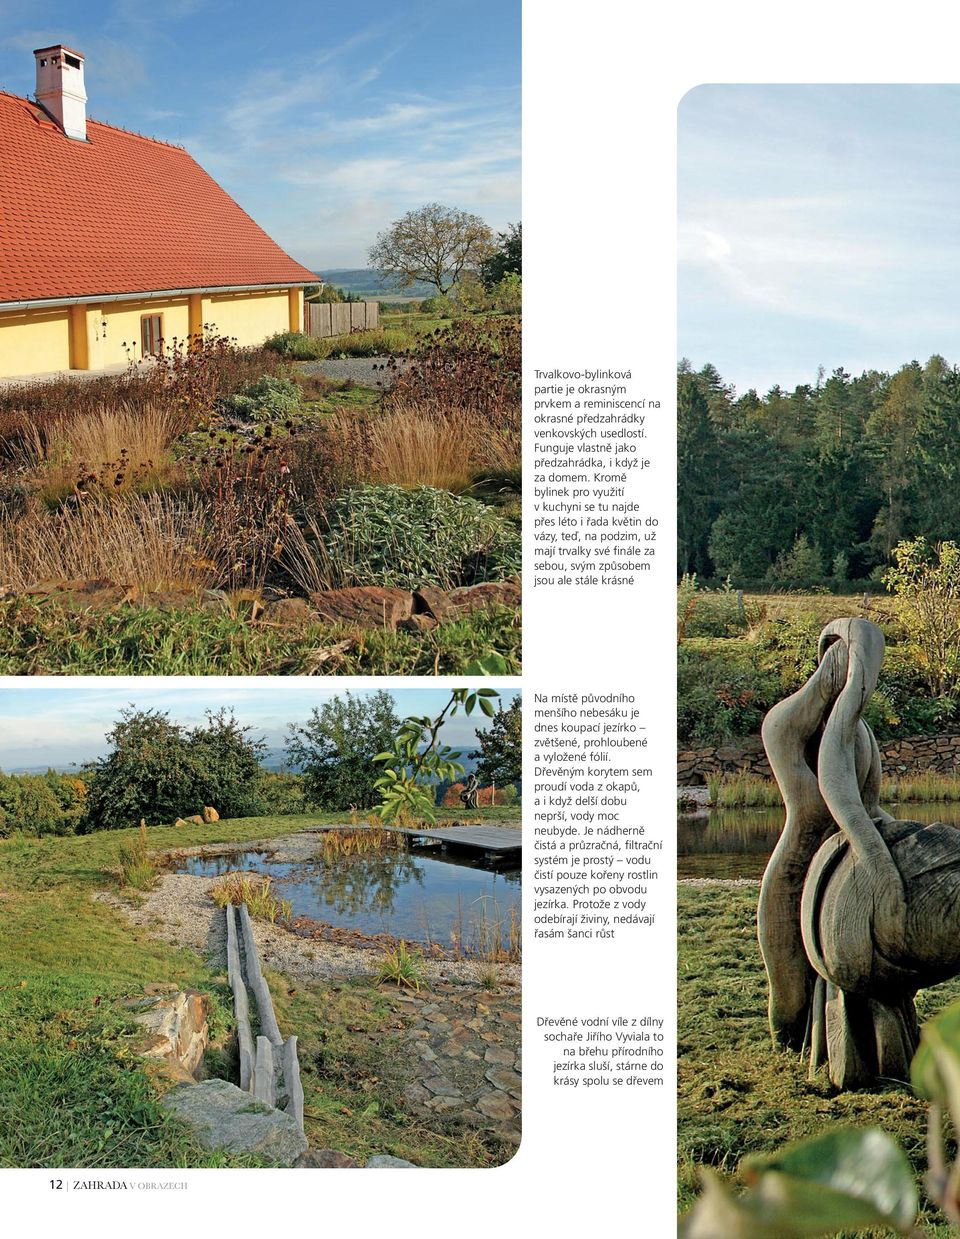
[(70, 1080), (737, 1093)]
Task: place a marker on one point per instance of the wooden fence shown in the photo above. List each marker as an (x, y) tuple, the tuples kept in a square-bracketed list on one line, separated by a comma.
[(339, 318)]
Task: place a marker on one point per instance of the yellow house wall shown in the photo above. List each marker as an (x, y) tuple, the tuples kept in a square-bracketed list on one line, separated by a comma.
[(247, 317), (122, 319), (38, 341), (34, 342)]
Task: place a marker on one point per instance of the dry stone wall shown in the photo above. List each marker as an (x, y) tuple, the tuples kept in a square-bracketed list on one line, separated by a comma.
[(914, 755)]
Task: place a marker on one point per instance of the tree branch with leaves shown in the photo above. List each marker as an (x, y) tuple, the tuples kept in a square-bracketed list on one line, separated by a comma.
[(417, 759)]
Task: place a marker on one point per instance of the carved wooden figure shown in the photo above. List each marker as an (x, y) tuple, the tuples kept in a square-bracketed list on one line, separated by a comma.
[(857, 910)]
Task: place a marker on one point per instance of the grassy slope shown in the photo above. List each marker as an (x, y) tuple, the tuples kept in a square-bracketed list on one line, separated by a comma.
[(738, 1094), (68, 1073)]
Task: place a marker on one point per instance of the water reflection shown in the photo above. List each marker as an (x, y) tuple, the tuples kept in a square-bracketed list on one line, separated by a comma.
[(408, 894), (736, 843)]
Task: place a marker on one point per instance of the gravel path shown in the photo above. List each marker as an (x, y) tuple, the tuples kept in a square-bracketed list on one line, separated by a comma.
[(367, 371)]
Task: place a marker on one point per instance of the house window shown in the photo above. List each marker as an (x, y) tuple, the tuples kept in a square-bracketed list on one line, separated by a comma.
[(151, 335)]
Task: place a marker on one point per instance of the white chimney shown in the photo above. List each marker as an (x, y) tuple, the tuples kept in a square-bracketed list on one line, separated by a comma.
[(60, 88)]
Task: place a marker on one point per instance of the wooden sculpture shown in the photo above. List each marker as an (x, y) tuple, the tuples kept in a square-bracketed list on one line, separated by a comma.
[(857, 910)]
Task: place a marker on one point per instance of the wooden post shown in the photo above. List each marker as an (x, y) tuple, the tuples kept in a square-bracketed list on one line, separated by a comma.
[(291, 1080)]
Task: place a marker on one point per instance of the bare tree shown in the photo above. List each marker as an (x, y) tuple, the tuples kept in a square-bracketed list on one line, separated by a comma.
[(435, 244)]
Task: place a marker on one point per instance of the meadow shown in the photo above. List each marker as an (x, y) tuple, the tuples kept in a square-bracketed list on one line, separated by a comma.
[(165, 519), (738, 654)]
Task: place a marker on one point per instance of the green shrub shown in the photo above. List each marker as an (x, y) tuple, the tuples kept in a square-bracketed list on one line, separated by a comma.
[(70, 792), (136, 868), (160, 771), (508, 294), (788, 646), (402, 966), (28, 805), (800, 567), (720, 697), (441, 306), (268, 399), (709, 613), (385, 535), (378, 343), (903, 704), (296, 346), (280, 794), (726, 685)]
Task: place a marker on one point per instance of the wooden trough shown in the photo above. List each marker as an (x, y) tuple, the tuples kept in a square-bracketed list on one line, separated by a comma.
[(268, 1067)]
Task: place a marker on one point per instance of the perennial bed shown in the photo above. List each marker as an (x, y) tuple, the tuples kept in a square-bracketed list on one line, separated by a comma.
[(235, 488)]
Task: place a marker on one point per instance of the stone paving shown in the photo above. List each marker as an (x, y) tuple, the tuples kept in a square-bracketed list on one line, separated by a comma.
[(467, 1044)]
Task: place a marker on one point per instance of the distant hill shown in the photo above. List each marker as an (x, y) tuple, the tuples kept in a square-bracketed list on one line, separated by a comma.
[(364, 282)]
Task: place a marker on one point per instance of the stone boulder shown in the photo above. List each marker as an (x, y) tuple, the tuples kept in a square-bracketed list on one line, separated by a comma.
[(288, 613), (383, 1161), (223, 1116), (429, 600), (484, 597), (169, 600), (99, 594), (175, 1027), (366, 606), (418, 623)]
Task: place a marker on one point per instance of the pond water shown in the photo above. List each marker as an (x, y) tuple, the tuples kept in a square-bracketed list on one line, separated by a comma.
[(736, 843), (408, 894)]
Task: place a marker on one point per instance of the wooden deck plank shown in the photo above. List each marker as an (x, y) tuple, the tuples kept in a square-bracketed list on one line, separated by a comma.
[(483, 838)]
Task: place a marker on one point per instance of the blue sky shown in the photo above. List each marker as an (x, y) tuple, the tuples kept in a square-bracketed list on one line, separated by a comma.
[(819, 225), (57, 722), (326, 121)]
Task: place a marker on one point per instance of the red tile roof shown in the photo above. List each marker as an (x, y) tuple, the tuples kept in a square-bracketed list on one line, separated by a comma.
[(118, 213)]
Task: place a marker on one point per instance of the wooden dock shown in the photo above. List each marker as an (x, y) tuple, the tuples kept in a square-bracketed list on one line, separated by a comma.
[(491, 840)]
